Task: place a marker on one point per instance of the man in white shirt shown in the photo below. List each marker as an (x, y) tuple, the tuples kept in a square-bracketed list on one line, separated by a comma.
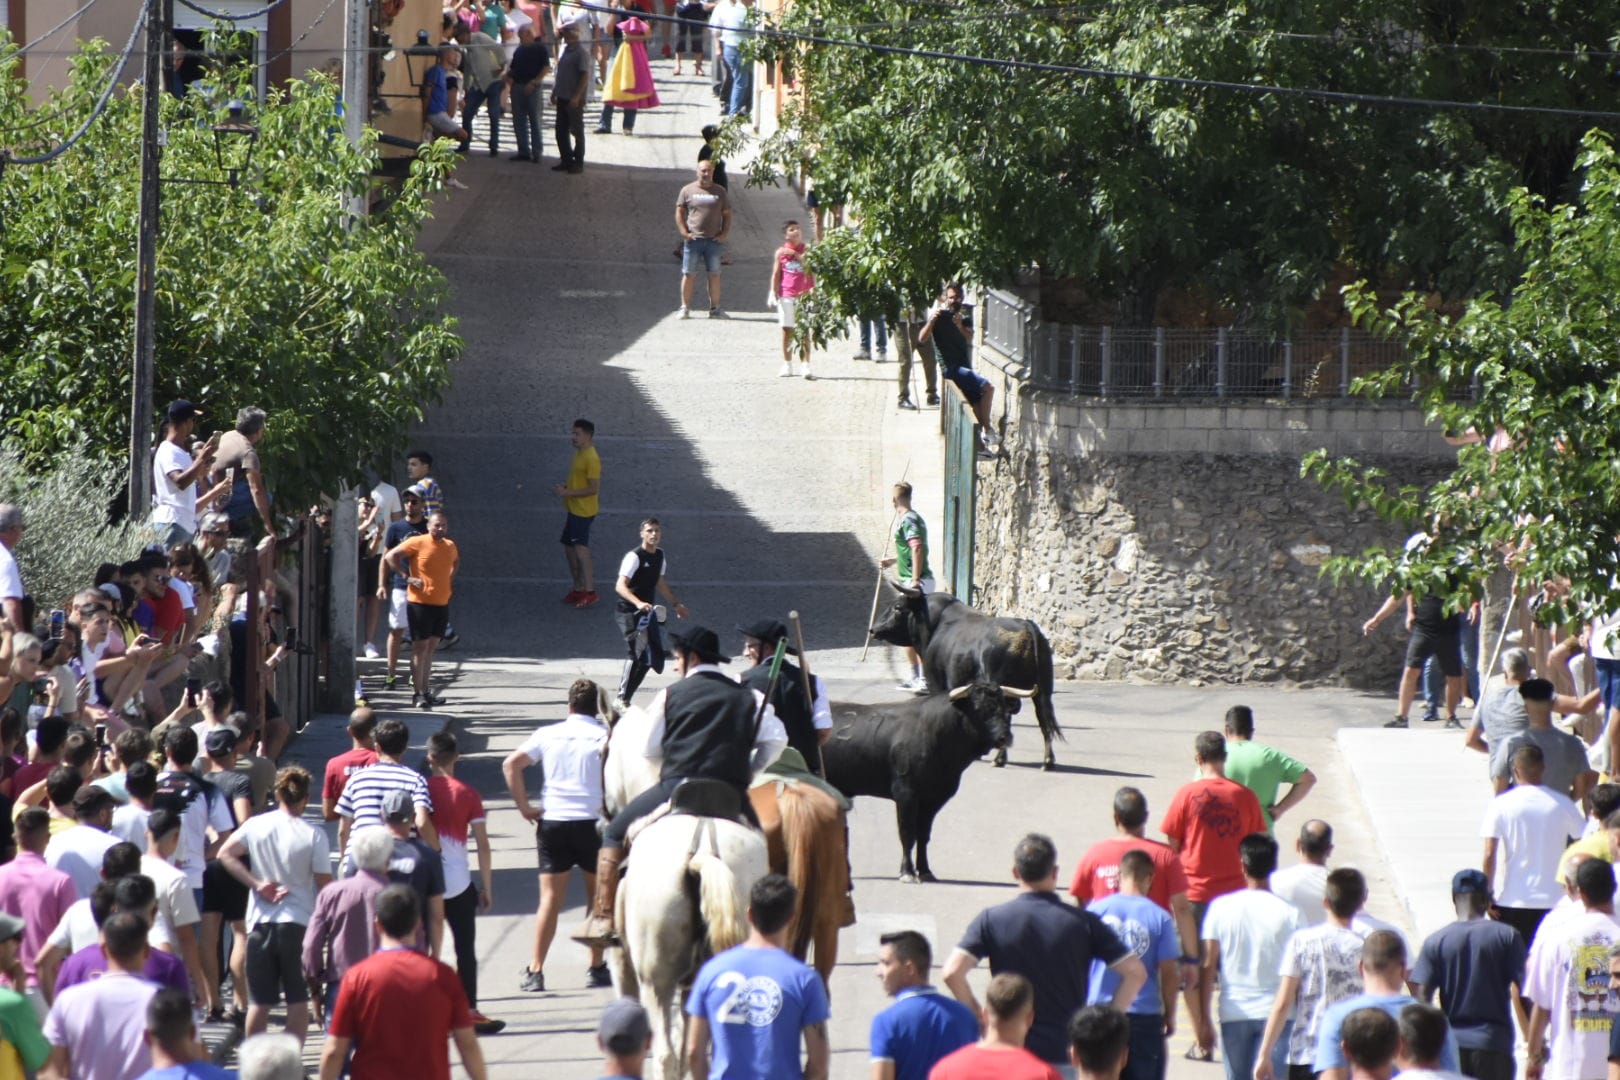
[(175, 474), (1245, 936), (177, 904), (78, 851), (1526, 828), (1305, 883), (11, 585), (570, 758), (733, 20), (1568, 980)]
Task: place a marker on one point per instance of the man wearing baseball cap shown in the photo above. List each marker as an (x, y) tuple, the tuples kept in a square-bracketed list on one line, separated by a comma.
[(1474, 963), (78, 851), (18, 1020), (417, 865), (624, 1036), (703, 727), (175, 474)]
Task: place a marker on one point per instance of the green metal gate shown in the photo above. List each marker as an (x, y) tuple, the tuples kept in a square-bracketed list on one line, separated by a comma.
[(961, 482)]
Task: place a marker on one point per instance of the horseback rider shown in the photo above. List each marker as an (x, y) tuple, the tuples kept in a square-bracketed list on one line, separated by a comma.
[(703, 727), (800, 700)]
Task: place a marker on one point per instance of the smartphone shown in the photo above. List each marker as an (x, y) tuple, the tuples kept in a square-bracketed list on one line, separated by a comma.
[(101, 736), (58, 621), (193, 690), (290, 638)]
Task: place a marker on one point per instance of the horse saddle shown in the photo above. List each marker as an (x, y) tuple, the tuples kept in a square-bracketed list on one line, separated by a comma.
[(706, 798)]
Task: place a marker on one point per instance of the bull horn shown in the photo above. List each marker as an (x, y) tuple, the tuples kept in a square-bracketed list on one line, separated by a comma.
[(1013, 691), (961, 692), (904, 590)]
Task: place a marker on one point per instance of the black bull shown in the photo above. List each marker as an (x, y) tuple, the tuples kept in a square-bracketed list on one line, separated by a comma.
[(959, 645), (914, 752)]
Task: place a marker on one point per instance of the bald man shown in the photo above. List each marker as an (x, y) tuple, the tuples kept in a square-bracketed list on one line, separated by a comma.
[(1305, 883)]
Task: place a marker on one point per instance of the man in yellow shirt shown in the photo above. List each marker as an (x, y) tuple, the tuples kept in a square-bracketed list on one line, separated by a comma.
[(434, 560), (579, 498)]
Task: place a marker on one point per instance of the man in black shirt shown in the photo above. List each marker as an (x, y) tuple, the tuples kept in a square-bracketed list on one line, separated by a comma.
[(641, 577), (943, 327), (524, 72), (807, 715), (1436, 633), (706, 726)]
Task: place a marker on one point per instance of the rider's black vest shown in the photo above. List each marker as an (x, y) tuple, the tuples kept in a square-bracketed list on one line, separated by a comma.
[(708, 730), (792, 708)]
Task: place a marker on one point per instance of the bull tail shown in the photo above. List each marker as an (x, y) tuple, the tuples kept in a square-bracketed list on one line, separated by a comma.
[(719, 901), (1045, 710)]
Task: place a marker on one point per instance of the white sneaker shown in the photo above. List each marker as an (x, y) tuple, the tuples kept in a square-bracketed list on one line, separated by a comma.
[(787, 370), (686, 312), (915, 685), (804, 370), (457, 184), (371, 651)]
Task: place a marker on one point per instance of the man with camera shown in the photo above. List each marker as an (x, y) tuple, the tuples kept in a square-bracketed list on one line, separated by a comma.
[(944, 329)]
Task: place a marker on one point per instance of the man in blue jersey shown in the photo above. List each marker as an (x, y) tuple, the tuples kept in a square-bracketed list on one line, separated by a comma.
[(923, 1025), (1149, 934)]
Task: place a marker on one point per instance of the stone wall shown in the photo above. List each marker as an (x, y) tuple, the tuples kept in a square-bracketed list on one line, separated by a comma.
[(1170, 543)]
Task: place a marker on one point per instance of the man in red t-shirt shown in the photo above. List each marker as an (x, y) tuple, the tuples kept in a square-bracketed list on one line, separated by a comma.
[(361, 753), (1009, 1013), (1207, 820), (458, 813), (398, 1008)]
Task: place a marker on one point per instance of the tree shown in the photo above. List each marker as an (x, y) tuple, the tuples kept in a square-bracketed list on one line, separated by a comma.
[(1538, 370), (1254, 204), (269, 293)]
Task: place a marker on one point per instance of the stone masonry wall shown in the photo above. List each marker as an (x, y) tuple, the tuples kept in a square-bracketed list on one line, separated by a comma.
[(1176, 544)]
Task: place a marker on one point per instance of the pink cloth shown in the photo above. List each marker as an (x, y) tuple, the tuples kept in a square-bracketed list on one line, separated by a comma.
[(39, 896), (630, 84)]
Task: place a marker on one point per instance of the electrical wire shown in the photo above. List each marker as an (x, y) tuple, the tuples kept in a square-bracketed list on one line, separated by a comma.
[(53, 31), (240, 16), (101, 103), (301, 37)]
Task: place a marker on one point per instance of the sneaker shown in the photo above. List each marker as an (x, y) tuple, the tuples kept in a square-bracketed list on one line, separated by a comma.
[(1398, 722), (1453, 722), (914, 685), (572, 597), (881, 358), (371, 651), (426, 701), (416, 699), (587, 599), (686, 312), (933, 399), (598, 977), (716, 313), (787, 370), (485, 1026), (534, 982), (390, 682), (804, 370), (1431, 714), (907, 403), (450, 640), (457, 184)]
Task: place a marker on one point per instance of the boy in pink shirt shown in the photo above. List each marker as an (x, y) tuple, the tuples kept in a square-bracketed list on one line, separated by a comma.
[(789, 281)]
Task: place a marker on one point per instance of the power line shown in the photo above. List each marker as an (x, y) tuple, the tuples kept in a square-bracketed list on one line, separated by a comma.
[(53, 31), (240, 16), (101, 103), (293, 45)]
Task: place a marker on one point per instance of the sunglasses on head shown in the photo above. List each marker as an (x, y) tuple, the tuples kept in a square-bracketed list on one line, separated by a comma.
[(91, 609)]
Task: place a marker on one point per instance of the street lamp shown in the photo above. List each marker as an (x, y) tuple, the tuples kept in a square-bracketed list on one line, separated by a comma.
[(236, 132), (423, 49)]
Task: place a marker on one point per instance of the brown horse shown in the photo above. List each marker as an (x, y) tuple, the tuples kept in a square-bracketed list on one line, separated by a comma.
[(806, 839)]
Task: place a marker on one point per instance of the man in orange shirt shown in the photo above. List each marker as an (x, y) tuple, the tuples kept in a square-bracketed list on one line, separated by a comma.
[(433, 564)]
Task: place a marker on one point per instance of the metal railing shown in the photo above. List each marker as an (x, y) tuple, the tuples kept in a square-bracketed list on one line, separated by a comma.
[(1169, 363)]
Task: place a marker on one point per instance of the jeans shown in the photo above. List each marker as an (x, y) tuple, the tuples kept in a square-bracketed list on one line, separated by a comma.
[(1147, 1055), (606, 122), (871, 328), (526, 109), (461, 918), (476, 99), (742, 82), (1240, 1045), (571, 132)]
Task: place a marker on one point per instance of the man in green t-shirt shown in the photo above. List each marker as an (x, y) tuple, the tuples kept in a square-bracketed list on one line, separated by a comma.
[(1263, 769), (910, 564), (22, 1043)]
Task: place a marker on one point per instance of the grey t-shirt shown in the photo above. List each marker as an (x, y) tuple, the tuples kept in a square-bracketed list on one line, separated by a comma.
[(573, 66), (1501, 716), (1565, 757)]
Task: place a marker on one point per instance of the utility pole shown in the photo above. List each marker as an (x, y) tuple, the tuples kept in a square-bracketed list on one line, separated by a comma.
[(158, 17)]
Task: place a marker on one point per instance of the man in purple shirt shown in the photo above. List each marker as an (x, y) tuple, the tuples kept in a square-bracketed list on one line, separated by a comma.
[(343, 930), (31, 890), (133, 895), (97, 1030)]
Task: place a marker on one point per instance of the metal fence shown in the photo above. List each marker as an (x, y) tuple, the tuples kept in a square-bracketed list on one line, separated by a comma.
[(1160, 362)]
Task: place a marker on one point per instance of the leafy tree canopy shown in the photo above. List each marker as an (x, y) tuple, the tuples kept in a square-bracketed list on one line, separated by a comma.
[(1260, 203), (268, 294), (1537, 373)]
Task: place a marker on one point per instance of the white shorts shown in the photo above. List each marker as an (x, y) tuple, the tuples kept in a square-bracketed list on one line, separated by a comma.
[(786, 308), (396, 610), (442, 123)]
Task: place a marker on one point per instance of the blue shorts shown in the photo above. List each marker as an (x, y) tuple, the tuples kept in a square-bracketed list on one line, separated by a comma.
[(577, 531), (698, 250), (970, 382), (1608, 680)]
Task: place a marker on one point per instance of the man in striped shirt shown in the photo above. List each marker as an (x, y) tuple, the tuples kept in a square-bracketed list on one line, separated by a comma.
[(361, 803)]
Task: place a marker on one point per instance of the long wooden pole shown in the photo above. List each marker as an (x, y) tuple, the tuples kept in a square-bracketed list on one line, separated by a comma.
[(877, 588)]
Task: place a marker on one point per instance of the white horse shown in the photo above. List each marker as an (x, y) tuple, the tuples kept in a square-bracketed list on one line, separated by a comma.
[(661, 930)]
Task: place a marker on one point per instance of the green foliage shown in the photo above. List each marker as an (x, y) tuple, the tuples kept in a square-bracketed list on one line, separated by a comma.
[(268, 294), (67, 534), (1146, 190), (1540, 370)]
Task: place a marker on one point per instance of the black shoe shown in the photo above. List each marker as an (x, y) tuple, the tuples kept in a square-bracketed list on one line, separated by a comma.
[(576, 168), (1398, 722), (534, 982), (602, 131), (1453, 722), (416, 699), (450, 640), (495, 152), (520, 157), (907, 403), (485, 1026), (933, 399), (561, 166), (427, 701), (598, 977)]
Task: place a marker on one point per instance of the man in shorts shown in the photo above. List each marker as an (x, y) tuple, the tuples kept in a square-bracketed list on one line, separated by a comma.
[(570, 758), (943, 327), (911, 570), (391, 583), (434, 560), (580, 500), (1436, 633), (436, 94), (790, 281), (703, 217)]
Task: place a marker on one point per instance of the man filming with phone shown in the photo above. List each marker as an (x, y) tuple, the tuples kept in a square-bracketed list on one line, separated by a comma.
[(175, 474), (944, 327)]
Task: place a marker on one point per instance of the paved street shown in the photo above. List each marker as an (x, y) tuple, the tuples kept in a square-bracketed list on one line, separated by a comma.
[(773, 493)]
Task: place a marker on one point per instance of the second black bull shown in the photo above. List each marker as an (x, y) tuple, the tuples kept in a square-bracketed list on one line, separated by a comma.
[(959, 645), (914, 752)]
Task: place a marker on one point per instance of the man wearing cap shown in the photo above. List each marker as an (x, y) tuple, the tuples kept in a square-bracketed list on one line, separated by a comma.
[(1566, 768), (624, 1035), (390, 582), (641, 580), (24, 1050), (703, 727), (806, 715), (415, 864), (175, 474), (1473, 964), (78, 851)]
